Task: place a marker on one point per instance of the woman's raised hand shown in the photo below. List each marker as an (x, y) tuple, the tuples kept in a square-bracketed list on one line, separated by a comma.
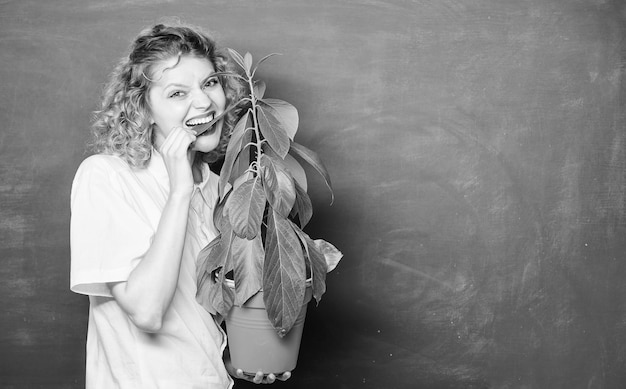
[(177, 156)]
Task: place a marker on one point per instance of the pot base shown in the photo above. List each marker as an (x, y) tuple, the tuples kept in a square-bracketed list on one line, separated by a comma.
[(255, 345)]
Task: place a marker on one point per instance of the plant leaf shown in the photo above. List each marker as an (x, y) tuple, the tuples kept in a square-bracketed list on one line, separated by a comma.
[(312, 159), (279, 185), (332, 256), (259, 89), (219, 213), (316, 262), (273, 130), (204, 272), (270, 181), (291, 165), (232, 151), (247, 61), (210, 258), (286, 113), (302, 206), (222, 295), (248, 256), (213, 294), (245, 208), (284, 274), (242, 162), (296, 170), (263, 60), (236, 57), (287, 190)]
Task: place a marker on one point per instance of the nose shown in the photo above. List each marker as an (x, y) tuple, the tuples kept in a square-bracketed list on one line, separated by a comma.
[(201, 100)]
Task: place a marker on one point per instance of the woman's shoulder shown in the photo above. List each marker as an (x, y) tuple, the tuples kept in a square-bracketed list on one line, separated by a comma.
[(100, 173), (104, 162), (102, 167)]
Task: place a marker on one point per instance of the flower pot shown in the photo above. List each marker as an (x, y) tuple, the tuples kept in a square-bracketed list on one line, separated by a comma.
[(253, 342)]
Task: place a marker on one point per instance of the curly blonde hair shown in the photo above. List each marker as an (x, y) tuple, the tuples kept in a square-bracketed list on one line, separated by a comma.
[(122, 126)]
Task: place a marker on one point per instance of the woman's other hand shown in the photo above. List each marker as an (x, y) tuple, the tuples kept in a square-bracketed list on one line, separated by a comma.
[(258, 378), (262, 378)]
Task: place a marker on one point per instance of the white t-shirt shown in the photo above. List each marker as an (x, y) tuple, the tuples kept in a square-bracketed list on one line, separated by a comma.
[(115, 214)]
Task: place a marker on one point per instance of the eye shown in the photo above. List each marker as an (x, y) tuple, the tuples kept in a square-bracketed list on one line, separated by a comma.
[(176, 93), (211, 82)]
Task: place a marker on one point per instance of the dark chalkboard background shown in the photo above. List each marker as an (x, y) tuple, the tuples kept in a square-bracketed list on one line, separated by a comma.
[(478, 154)]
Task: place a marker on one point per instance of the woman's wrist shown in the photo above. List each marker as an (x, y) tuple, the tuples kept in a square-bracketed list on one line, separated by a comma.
[(181, 196)]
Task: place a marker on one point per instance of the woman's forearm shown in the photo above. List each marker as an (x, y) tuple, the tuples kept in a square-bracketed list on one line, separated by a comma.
[(149, 290)]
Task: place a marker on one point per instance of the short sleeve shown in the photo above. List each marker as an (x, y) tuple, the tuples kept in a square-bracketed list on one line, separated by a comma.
[(108, 234)]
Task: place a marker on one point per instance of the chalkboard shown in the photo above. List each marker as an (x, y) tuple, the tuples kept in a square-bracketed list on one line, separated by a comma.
[(478, 155)]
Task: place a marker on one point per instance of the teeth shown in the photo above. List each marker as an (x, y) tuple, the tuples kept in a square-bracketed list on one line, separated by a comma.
[(196, 122)]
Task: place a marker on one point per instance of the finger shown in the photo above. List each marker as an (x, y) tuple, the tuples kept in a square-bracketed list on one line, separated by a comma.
[(271, 378), (183, 138), (285, 376), (239, 373), (180, 130), (258, 378), (178, 139)]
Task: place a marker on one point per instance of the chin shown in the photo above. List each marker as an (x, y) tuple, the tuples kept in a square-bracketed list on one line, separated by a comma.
[(209, 140), (205, 147), (206, 143)]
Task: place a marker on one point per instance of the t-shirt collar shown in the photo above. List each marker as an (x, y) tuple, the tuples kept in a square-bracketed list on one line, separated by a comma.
[(208, 185)]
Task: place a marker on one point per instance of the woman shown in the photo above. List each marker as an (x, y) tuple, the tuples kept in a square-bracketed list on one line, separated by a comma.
[(142, 209)]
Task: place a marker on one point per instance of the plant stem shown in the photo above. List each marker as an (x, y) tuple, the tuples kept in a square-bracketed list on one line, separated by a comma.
[(255, 123)]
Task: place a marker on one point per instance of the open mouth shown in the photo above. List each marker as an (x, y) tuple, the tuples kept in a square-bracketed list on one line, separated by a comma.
[(201, 125)]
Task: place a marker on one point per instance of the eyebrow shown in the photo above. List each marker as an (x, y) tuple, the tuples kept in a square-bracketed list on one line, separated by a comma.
[(175, 84), (179, 85)]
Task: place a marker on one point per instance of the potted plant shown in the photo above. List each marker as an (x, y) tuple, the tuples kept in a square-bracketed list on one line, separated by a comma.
[(262, 262)]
